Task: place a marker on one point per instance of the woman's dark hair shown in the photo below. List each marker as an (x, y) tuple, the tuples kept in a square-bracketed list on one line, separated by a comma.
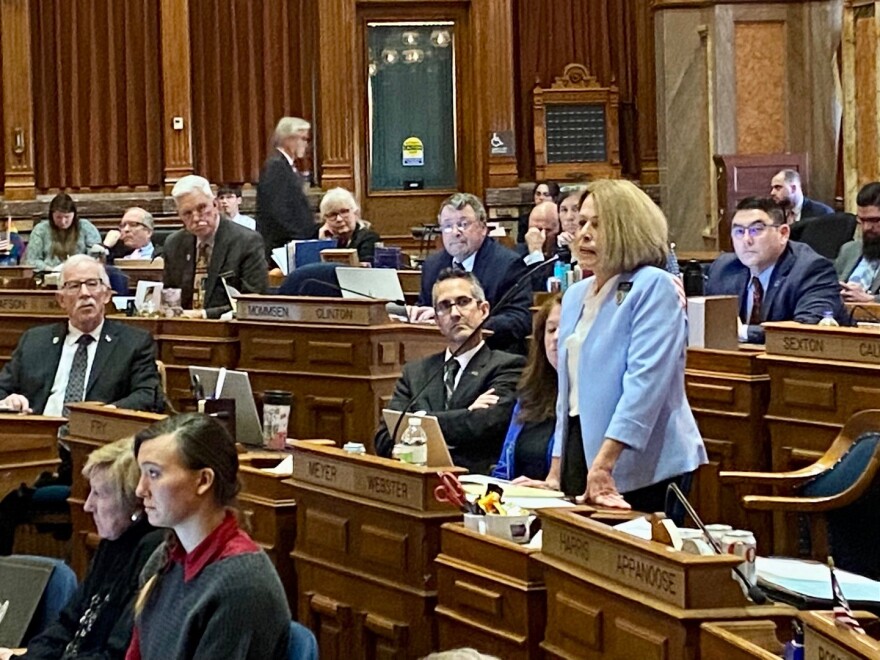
[(203, 442), (538, 385), (63, 240), (552, 186)]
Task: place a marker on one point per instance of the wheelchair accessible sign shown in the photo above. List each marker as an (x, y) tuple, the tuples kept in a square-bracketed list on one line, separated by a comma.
[(413, 152)]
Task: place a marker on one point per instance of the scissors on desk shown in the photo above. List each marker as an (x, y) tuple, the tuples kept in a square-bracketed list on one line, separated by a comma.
[(450, 491)]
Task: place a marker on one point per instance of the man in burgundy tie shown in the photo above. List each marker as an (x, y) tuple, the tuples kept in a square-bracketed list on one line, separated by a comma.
[(775, 279)]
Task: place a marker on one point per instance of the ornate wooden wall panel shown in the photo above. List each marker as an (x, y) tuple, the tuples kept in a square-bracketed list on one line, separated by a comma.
[(97, 100), (253, 61), (865, 85), (760, 52)]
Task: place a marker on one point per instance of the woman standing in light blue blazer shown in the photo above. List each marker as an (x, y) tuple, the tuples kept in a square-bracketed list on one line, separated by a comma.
[(622, 343)]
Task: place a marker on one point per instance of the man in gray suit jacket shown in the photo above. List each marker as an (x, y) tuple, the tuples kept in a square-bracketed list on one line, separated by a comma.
[(471, 394), (858, 264), (234, 253)]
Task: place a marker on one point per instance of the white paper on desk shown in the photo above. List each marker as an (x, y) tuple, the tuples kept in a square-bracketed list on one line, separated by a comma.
[(279, 256), (638, 527), (284, 468), (813, 579), (510, 490)]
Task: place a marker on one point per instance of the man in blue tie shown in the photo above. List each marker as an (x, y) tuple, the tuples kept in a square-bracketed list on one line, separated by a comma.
[(469, 387), (775, 279)]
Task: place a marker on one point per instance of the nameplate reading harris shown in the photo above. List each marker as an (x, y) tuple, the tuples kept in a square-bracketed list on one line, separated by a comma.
[(318, 311)]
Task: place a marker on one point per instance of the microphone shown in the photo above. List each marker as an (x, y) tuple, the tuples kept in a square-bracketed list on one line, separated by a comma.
[(867, 311), (525, 277), (337, 287), (755, 592)]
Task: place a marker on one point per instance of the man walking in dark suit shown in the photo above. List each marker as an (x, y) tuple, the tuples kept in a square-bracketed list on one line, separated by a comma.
[(786, 190), (208, 249), (467, 246), (471, 395), (283, 212), (775, 279)]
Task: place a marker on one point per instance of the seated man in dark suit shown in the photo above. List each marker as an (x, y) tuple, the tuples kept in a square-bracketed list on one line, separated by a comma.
[(775, 279), (473, 395), (540, 242), (467, 246), (134, 239), (858, 264), (206, 250), (86, 358), (786, 190)]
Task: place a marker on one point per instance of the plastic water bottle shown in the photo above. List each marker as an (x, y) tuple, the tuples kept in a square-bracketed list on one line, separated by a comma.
[(417, 440), (828, 319)]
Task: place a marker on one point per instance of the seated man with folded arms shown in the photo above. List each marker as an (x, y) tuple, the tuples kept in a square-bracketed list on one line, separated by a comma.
[(84, 358), (206, 251), (467, 246), (775, 279), (472, 396)]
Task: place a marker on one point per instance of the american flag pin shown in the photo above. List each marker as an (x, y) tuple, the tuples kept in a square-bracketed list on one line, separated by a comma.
[(107, 338), (54, 340)]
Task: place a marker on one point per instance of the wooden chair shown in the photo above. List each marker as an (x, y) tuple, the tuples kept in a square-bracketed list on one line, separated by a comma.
[(843, 486)]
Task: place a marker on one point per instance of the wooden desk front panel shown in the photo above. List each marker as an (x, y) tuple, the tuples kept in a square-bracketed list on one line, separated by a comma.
[(82, 522), (28, 446)]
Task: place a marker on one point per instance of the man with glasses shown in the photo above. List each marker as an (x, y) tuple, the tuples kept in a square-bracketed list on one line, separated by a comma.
[(135, 240), (467, 246), (229, 201), (775, 279), (206, 251), (468, 387), (858, 264)]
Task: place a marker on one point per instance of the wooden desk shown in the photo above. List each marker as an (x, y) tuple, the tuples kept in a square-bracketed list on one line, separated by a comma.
[(139, 273), (490, 595), (28, 446), (610, 595), (743, 640), (825, 640), (728, 392), (368, 530), (14, 272)]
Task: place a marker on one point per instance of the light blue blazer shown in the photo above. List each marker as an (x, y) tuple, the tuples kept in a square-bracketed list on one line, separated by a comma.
[(631, 380)]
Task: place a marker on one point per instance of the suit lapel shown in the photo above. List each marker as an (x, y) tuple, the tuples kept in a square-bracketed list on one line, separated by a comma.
[(106, 345), (471, 378), (777, 281), (432, 397)]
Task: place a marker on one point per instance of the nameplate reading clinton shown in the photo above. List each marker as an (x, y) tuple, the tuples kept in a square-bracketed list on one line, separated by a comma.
[(302, 309), (620, 562), (362, 480), (823, 343), (28, 302)]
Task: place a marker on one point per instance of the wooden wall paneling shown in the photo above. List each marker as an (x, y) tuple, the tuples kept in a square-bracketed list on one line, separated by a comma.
[(865, 86), (646, 93), (177, 88), (17, 108)]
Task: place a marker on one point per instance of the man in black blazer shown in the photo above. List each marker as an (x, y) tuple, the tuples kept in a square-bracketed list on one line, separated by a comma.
[(283, 212), (472, 395), (540, 242), (792, 281), (235, 253), (467, 246), (786, 190)]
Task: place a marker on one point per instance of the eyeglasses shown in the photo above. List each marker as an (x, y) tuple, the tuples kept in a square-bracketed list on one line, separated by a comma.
[(754, 230), (868, 221), (73, 286), (332, 215), (202, 209), (461, 225), (131, 225), (444, 307)]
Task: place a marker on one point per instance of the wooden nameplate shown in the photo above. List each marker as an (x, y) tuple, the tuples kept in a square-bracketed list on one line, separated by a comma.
[(797, 340), (311, 309)]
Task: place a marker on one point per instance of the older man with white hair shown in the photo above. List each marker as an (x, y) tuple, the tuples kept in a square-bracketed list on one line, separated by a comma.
[(206, 251), (283, 212)]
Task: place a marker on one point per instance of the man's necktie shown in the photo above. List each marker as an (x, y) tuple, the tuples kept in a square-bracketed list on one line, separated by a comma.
[(757, 299), (457, 265), (202, 260), (449, 374), (76, 380)]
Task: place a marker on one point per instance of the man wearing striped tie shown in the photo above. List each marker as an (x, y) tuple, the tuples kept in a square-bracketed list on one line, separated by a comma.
[(775, 279), (468, 387)]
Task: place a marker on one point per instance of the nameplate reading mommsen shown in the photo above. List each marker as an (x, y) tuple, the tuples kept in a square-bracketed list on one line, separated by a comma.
[(28, 304), (821, 346), (303, 312), (382, 485), (615, 561)]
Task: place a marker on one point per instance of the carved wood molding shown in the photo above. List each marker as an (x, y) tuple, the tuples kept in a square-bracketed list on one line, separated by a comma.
[(18, 109), (576, 76)]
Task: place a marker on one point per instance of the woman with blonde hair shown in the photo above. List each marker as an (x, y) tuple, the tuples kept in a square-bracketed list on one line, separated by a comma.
[(63, 235), (622, 346)]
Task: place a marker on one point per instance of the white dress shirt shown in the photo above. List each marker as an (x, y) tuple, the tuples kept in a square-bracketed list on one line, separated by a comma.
[(55, 403), (463, 359)]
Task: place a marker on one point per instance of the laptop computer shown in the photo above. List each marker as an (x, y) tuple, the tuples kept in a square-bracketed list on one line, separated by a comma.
[(438, 452), (237, 386), (372, 283)]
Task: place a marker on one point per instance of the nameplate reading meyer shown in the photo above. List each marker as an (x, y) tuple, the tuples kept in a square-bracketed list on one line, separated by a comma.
[(28, 302), (823, 344), (618, 562), (360, 480), (331, 311)]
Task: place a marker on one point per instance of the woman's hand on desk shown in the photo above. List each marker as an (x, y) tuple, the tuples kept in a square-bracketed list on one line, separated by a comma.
[(421, 314), (15, 403), (195, 314), (602, 491)]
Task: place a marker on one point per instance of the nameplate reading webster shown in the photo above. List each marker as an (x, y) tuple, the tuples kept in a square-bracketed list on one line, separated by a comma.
[(382, 485), (616, 561), (818, 345), (318, 311)]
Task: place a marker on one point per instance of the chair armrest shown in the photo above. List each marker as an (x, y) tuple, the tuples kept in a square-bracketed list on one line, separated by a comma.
[(792, 504), (793, 478)]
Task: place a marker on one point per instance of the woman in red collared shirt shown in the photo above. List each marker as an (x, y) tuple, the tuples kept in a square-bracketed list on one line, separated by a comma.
[(212, 592)]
